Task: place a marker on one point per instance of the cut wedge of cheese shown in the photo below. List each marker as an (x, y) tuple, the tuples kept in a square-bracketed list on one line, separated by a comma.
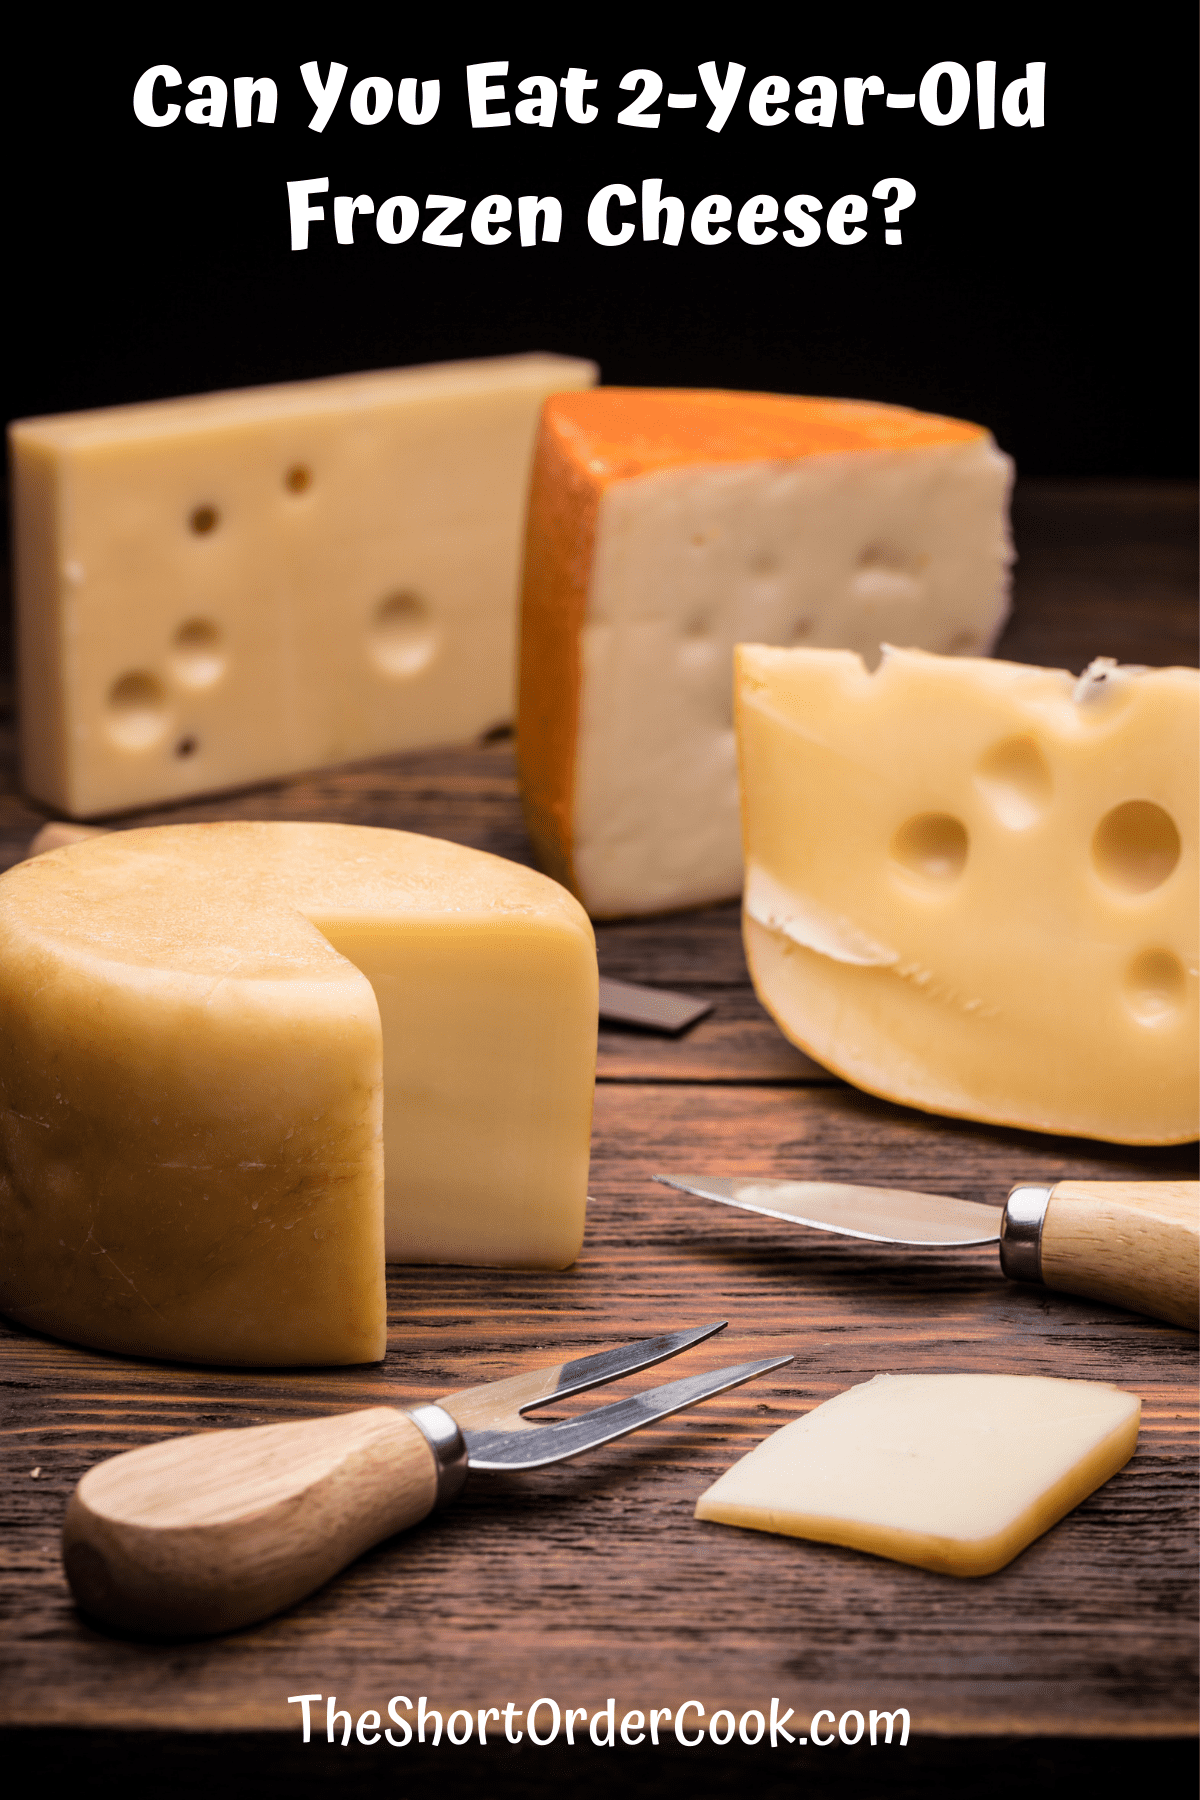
[(218, 590), (956, 1473), (664, 527), (218, 1037), (972, 886)]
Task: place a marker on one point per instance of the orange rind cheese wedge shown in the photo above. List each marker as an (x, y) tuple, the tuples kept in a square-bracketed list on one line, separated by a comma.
[(664, 527)]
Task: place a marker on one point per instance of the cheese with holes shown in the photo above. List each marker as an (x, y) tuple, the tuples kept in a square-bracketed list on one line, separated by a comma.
[(223, 589), (972, 885), (956, 1473), (239, 1060), (666, 526)]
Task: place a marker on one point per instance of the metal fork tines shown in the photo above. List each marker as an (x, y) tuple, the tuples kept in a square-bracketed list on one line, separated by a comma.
[(498, 1435), (571, 1437)]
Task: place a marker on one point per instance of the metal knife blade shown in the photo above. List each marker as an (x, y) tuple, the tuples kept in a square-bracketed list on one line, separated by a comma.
[(883, 1215), (1131, 1243)]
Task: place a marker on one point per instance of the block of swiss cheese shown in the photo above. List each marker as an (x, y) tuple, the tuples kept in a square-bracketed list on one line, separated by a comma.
[(240, 1061), (222, 589), (664, 527), (971, 886)]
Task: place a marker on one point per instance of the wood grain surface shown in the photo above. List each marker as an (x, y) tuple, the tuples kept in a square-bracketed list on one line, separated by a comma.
[(593, 1579)]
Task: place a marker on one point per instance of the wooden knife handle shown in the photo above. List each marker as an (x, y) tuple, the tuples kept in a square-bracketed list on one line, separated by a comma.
[(203, 1534), (1132, 1243)]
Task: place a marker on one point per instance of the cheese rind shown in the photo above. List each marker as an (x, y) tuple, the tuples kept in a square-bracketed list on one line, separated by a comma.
[(956, 1473), (972, 886), (664, 527), (218, 590), (199, 1025)]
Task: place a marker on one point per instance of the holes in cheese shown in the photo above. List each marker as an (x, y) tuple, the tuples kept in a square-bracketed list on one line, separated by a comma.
[(283, 518), (198, 653), (1156, 987), (402, 638), (956, 1473), (664, 527), (239, 1059), (137, 712), (972, 888), (932, 846), (1136, 846), (1016, 778)]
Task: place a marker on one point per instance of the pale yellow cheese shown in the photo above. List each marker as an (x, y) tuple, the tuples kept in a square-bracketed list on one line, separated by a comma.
[(952, 1472), (222, 589), (216, 1040), (664, 526), (972, 885)]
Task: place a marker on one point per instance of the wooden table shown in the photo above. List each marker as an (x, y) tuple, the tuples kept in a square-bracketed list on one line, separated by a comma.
[(593, 1579)]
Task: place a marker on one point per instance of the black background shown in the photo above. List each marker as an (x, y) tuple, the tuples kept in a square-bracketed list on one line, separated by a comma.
[(1045, 285)]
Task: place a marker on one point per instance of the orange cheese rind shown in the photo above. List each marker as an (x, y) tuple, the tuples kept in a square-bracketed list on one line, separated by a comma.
[(645, 503), (616, 434)]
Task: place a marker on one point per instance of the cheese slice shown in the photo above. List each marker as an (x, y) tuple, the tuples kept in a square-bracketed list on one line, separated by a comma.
[(956, 1473), (218, 590), (218, 1037), (972, 885), (666, 526)]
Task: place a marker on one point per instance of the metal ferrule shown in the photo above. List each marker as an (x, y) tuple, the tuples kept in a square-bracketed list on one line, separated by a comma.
[(449, 1448), (1021, 1233)]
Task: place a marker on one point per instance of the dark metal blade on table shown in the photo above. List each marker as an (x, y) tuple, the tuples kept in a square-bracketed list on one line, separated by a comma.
[(882, 1215), (653, 1009), (535, 1448)]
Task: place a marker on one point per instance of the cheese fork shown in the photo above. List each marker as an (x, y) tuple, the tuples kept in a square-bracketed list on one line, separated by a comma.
[(203, 1534)]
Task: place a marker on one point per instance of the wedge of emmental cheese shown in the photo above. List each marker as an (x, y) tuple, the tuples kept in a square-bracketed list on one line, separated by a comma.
[(664, 527), (218, 590), (242, 1062), (972, 885), (956, 1473)]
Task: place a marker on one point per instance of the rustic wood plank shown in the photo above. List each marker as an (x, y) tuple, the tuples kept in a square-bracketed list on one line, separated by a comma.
[(593, 1577)]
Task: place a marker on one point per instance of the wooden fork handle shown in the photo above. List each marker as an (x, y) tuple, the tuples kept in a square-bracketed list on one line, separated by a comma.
[(206, 1533), (1132, 1243)]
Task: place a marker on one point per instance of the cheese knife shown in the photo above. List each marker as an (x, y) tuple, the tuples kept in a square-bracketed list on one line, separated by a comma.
[(1131, 1243)]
